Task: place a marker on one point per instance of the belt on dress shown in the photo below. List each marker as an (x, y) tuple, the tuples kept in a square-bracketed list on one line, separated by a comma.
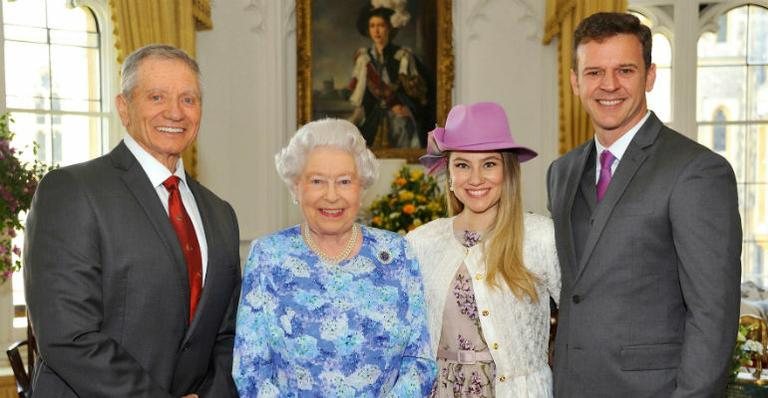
[(465, 357)]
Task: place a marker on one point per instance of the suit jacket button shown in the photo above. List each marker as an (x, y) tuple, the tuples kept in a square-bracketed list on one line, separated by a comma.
[(576, 298), (185, 347)]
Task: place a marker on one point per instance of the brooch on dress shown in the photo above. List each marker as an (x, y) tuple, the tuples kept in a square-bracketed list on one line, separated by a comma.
[(384, 257)]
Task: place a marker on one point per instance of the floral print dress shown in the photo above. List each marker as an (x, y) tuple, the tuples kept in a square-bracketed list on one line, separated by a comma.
[(307, 328), (462, 331)]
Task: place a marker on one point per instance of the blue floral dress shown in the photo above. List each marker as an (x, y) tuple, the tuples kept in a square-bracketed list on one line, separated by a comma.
[(353, 329)]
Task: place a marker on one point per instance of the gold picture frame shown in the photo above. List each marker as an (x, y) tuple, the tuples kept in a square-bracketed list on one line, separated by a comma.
[(443, 62)]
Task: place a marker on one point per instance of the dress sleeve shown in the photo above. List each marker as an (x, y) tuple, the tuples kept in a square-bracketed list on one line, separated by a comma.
[(418, 368), (252, 368)]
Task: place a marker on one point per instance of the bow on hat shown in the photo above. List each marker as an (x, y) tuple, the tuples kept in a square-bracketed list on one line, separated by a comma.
[(480, 127)]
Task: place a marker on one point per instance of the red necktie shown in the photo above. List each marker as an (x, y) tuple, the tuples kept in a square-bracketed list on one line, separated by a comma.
[(185, 231)]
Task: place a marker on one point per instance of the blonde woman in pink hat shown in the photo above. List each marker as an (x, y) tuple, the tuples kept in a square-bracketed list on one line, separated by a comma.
[(489, 270)]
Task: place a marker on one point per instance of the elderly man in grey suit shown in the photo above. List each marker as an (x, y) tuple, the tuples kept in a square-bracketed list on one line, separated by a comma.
[(132, 269), (648, 235)]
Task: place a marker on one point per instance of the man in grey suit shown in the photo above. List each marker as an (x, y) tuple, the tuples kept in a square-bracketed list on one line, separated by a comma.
[(648, 235), (126, 301)]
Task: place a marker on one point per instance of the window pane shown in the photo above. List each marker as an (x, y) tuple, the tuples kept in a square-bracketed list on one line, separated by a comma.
[(74, 38), (758, 92), (25, 33), (753, 258), (757, 153), (755, 223), (734, 145), (32, 128), (77, 137), (75, 79), (732, 47), (758, 32), (27, 84), (27, 13), (721, 87), (60, 16), (662, 50), (660, 98)]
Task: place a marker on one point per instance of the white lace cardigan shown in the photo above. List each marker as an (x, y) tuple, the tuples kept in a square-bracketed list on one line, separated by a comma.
[(517, 331)]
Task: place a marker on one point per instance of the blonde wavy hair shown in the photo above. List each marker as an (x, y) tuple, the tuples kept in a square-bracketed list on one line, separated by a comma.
[(503, 246)]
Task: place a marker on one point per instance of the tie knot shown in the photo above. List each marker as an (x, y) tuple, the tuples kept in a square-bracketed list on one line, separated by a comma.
[(171, 183), (606, 159)]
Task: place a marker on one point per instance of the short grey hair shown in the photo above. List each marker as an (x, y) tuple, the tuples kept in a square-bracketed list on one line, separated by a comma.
[(337, 133), (164, 51)]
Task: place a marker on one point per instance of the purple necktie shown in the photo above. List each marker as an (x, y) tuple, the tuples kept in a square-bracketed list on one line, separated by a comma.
[(606, 160)]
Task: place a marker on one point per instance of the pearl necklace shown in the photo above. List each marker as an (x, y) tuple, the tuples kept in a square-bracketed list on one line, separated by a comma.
[(320, 253)]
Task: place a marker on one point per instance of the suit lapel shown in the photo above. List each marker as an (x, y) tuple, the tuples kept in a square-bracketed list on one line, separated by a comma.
[(137, 182), (210, 237), (630, 163), (572, 180)]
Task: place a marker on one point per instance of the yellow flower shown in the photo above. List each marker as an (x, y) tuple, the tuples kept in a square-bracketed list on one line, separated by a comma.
[(405, 196), (434, 207), (414, 199)]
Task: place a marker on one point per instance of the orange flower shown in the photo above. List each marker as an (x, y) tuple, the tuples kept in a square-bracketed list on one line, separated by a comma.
[(400, 181), (409, 209), (376, 220)]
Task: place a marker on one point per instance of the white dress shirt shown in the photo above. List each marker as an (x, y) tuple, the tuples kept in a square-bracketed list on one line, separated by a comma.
[(618, 148), (158, 173)]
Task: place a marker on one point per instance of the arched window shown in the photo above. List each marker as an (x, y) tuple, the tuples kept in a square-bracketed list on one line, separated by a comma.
[(731, 73), (660, 98), (53, 84), (719, 92)]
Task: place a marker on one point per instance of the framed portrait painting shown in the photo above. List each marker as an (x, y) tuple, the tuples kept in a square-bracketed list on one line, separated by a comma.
[(385, 65)]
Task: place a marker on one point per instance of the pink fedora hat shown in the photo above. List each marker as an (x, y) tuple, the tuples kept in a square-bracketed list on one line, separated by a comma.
[(477, 127)]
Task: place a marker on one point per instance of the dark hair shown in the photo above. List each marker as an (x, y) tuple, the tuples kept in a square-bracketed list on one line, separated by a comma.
[(602, 25), (366, 13)]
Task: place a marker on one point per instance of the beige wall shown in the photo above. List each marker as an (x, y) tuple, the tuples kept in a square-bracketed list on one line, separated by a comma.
[(249, 66)]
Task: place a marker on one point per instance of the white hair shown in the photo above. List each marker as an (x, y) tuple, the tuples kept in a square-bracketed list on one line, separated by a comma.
[(335, 133)]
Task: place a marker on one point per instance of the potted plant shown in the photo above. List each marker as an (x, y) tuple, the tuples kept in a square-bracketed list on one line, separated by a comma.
[(18, 181)]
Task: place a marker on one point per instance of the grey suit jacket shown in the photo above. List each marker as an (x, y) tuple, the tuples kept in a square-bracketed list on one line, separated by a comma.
[(107, 287), (650, 295)]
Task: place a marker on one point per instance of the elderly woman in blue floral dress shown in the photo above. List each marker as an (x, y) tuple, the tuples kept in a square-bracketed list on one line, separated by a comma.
[(329, 307)]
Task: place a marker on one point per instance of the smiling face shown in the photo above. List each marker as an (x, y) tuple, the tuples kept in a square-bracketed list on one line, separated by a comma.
[(378, 29), (328, 191), (163, 111), (478, 178), (611, 82)]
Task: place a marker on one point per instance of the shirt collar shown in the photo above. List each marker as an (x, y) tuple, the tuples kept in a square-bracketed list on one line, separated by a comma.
[(156, 171), (620, 146)]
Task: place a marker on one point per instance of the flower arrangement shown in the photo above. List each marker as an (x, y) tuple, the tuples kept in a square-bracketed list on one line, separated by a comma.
[(18, 181), (415, 199), (746, 350)]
